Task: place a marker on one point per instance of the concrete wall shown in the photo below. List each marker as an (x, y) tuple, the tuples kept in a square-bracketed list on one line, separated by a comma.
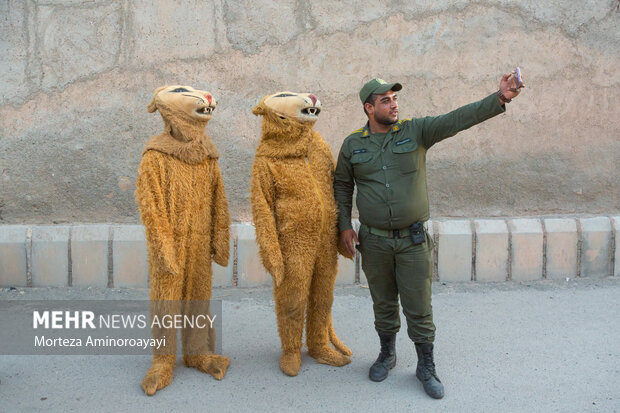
[(484, 250), (75, 78)]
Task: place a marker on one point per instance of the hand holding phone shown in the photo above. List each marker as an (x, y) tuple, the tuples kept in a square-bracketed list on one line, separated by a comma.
[(510, 85)]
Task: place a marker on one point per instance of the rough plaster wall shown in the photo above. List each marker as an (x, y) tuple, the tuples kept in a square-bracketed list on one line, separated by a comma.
[(76, 76)]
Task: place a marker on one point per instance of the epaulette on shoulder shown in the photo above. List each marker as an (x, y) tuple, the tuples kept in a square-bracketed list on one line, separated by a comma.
[(398, 125), (359, 132)]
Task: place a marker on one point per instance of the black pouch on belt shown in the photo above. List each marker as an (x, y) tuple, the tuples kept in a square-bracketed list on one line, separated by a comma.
[(418, 236)]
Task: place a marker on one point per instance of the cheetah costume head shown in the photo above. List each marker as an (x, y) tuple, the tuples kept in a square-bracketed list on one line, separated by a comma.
[(288, 118), (289, 107), (185, 112)]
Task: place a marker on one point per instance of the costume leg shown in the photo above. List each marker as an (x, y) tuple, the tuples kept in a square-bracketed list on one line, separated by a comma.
[(378, 265), (414, 265), (199, 343), (319, 326), (165, 293), (291, 299)]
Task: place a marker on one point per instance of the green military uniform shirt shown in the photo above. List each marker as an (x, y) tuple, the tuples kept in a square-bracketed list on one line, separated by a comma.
[(389, 169)]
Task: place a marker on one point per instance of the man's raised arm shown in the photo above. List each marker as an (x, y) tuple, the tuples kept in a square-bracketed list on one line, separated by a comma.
[(437, 128)]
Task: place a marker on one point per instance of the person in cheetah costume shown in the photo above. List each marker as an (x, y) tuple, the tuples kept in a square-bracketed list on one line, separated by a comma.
[(295, 216), (183, 207)]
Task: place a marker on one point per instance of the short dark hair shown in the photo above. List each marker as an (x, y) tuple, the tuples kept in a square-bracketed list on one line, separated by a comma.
[(370, 99)]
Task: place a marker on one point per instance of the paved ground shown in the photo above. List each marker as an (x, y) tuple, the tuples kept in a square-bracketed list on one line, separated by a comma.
[(538, 347)]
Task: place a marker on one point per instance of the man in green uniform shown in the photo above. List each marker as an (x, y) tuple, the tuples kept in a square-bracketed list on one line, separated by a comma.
[(386, 159)]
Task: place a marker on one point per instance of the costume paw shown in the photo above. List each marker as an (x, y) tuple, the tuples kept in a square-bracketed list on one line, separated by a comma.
[(327, 355), (343, 349), (211, 364), (290, 363), (158, 377)]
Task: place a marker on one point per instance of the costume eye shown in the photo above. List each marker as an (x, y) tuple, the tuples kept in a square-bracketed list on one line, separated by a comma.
[(179, 90), (283, 95)]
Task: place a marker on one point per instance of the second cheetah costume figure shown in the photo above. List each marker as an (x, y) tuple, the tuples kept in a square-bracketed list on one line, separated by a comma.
[(296, 226), (184, 210)]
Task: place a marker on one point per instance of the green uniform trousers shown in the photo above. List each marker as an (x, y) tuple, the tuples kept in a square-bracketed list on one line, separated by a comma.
[(393, 267)]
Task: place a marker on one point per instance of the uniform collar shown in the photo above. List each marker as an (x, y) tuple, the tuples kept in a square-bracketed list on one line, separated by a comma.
[(366, 129)]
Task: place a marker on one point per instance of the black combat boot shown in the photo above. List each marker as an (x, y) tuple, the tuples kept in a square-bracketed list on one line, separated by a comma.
[(387, 357), (426, 370)]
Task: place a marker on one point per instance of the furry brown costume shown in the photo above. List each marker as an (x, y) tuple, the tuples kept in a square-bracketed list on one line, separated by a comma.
[(184, 210), (296, 226)]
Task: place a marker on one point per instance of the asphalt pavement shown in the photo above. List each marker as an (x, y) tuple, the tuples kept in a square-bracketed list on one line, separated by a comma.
[(547, 346)]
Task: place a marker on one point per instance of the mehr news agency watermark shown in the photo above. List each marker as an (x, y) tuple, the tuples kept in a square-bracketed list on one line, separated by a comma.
[(109, 327)]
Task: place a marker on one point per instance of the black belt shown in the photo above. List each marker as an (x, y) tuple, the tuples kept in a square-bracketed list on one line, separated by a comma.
[(389, 233)]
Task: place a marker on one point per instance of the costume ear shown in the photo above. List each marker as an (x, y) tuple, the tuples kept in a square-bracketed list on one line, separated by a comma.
[(152, 107), (259, 109)]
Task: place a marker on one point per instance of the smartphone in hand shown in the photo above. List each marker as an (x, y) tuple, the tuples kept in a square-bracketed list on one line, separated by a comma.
[(518, 77)]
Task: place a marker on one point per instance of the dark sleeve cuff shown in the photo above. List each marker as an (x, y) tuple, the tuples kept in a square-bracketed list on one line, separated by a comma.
[(344, 225)]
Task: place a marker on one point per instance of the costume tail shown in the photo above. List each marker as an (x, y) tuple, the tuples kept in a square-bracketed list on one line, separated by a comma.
[(336, 341)]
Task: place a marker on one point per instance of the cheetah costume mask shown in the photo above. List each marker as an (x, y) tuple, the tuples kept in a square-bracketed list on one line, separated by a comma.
[(184, 210), (296, 226)]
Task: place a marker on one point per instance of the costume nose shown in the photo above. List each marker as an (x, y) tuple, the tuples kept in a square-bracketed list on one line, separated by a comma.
[(209, 97), (314, 99)]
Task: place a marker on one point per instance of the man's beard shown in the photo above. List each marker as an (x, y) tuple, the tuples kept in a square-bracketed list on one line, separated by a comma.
[(385, 120)]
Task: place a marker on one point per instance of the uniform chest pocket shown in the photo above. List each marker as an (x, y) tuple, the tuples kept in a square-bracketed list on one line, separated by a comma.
[(361, 162), (406, 154)]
